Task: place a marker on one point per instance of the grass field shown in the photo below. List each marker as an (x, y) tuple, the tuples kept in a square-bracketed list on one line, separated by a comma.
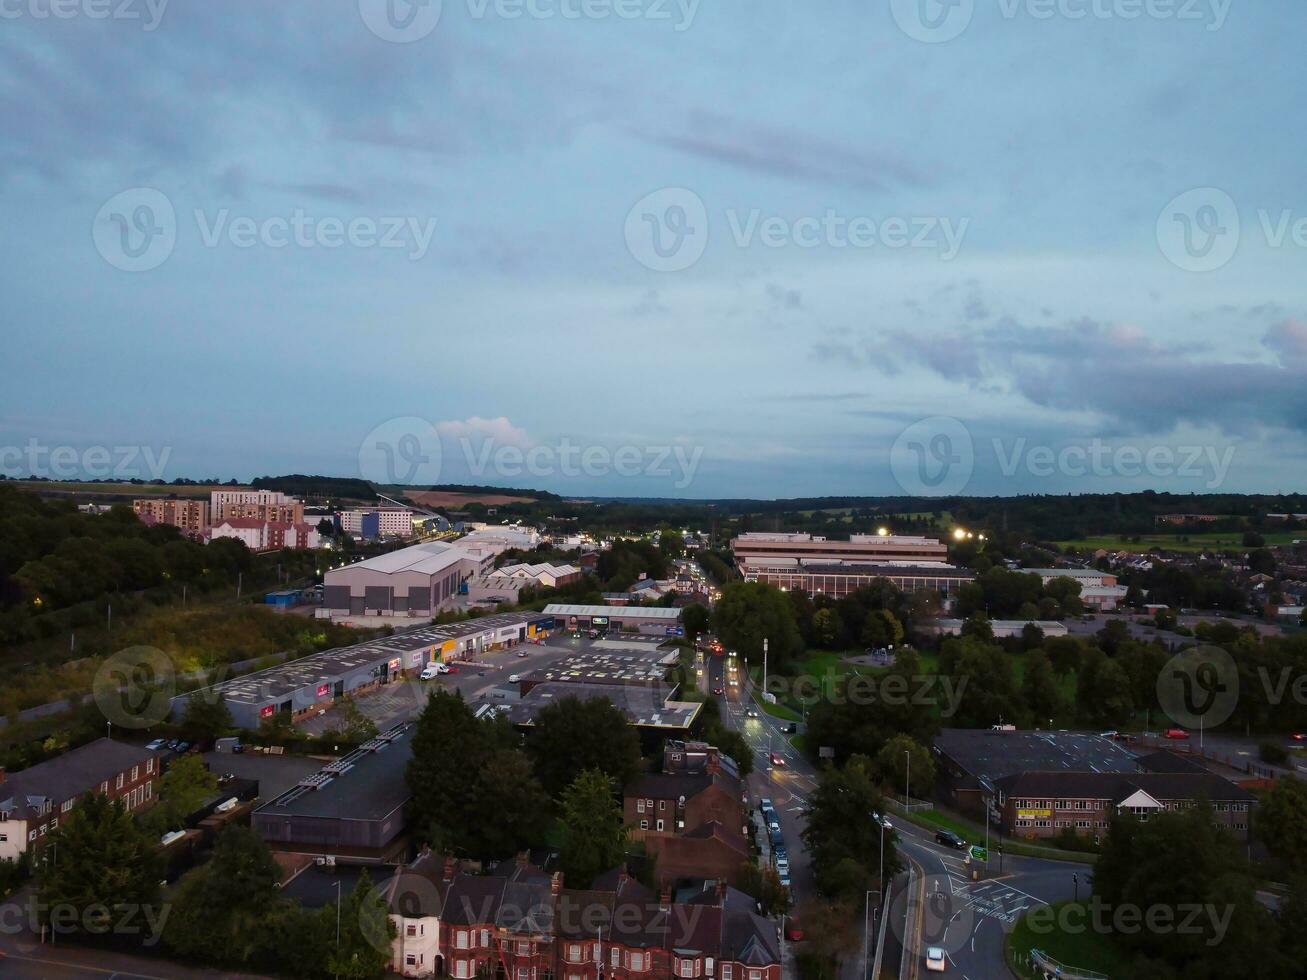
[(1078, 947), (1209, 541)]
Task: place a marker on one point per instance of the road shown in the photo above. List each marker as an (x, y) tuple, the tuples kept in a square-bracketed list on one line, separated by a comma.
[(967, 918)]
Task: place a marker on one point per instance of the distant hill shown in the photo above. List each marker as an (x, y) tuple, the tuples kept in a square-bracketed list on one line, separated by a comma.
[(299, 485)]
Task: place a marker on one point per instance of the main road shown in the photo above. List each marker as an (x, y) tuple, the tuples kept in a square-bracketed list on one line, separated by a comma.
[(967, 917)]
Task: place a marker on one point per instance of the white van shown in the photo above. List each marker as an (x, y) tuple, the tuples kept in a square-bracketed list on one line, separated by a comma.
[(433, 670)]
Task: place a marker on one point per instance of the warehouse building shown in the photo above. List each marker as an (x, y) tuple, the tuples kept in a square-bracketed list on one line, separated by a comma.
[(840, 578), (756, 545), (416, 581), (304, 687), (652, 620), (353, 807)]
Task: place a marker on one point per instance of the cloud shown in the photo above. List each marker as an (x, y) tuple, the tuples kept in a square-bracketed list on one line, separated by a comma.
[(1115, 370), (499, 430)]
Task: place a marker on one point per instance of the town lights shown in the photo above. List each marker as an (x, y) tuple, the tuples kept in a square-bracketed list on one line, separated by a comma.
[(883, 531), (959, 533)]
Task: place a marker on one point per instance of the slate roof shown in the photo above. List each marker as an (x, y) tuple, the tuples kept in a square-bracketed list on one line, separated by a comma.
[(68, 776), (1162, 786)]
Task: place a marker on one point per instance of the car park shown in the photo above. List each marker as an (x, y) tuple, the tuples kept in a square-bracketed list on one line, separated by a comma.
[(950, 839)]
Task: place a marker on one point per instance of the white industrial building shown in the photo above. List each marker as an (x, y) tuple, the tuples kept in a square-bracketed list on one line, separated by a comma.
[(1098, 590)]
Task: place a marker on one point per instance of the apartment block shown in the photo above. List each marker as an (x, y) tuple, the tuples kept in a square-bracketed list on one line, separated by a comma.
[(192, 516)]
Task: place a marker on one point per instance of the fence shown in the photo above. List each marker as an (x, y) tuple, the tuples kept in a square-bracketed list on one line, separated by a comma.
[(1037, 963)]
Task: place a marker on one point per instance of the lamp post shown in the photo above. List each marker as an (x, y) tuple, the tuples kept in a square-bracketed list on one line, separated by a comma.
[(907, 780)]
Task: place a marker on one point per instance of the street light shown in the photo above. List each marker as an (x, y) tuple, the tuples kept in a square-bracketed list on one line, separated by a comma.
[(907, 780)]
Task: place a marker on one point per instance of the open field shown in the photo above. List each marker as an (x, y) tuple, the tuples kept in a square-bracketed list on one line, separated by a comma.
[(1209, 541), (449, 498)]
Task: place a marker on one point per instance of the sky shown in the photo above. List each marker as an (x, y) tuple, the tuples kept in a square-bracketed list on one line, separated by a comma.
[(683, 248)]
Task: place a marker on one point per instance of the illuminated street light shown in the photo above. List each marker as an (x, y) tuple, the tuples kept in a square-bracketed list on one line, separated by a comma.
[(883, 531), (959, 534)]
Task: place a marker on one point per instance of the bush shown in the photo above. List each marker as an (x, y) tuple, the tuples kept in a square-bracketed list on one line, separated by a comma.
[(1273, 753)]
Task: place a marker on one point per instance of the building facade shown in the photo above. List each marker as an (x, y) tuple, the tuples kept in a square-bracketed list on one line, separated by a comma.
[(263, 505), (754, 545), (34, 800), (191, 516)]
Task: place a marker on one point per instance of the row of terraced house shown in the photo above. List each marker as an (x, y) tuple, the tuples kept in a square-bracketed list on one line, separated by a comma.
[(518, 922)]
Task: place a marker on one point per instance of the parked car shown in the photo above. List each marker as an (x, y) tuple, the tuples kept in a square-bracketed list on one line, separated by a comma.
[(935, 959), (238, 749), (950, 839), (172, 743), (156, 745), (1177, 733), (793, 931), (765, 804), (182, 747)]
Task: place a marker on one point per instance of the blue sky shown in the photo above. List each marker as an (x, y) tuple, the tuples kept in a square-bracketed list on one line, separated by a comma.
[(1062, 250)]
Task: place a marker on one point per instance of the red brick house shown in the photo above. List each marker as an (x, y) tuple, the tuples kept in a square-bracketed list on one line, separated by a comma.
[(33, 800), (520, 923), (691, 815)]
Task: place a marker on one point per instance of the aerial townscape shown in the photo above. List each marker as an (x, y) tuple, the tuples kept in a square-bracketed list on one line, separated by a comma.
[(653, 490)]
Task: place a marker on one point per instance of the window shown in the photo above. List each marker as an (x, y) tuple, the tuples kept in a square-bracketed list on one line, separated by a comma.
[(119, 783), (104, 786), (660, 825), (460, 941), (524, 949), (460, 968), (574, 953), (149, 765), (149, 790), (31, 835), (639, 806), (410, 930), (755, 975), (707, 966), (136, 773), (410, 960), (662, 804), (65, 806), (637, 961), (615, 956), (485, 937), (649, 804), (4, 838), (726, 971)]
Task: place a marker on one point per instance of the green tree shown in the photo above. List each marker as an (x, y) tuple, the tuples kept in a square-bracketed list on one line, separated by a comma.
[(1064, 654), (749, 612), (694, 618), (221, 908), (882, 628), (1039, 691), (594, 839), (843, 841), (572, 735), (1103, 690), (764, 885), (183, 789), (982, 675), (363, 950), (98, 860), (1281, 822), (827, 627), (901, 759), (510, 806), (670, 541), (448, 743), (206, 717)]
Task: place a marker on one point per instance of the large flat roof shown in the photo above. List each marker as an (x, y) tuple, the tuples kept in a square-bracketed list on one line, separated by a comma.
[(645, 705), (621, 612), (608, 667), (990, 755), (367, 784), (425, 558)]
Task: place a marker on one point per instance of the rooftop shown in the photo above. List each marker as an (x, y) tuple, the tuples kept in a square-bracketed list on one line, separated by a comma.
[(427, 558), (67, 776), (989, 755), (644, 612), (366, 784), (645, 705)]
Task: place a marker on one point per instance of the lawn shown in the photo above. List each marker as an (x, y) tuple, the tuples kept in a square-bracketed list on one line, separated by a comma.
[(1078, 947), (1211, 540), (973, 833)]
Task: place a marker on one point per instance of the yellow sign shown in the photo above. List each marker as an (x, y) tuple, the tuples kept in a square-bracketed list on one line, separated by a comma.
[(1033, 814)]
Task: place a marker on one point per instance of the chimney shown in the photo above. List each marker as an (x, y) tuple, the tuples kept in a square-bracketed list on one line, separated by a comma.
[(556, 883), (713, 764), (450, 867)]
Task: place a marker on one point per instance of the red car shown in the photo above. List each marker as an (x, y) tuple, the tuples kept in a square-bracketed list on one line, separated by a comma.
[(1176, 733), (718, 691), (793, 931), (776, 760)]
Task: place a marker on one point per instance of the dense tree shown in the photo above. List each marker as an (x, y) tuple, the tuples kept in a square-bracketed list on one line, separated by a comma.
[(98, 860), (448, 743), (362, 950), (853, 718), (764, 885), (694, 618), (983, 675), (1039, 691), (594, 839), (572, 735), (222, 908), (183, 789), (206, 717), (1282, 824), (881, 629), (749, 612), (843, 841), (906, 765), (1103, 693), (1181, 859), (509, 806), (827, 628), (1064, 654)]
